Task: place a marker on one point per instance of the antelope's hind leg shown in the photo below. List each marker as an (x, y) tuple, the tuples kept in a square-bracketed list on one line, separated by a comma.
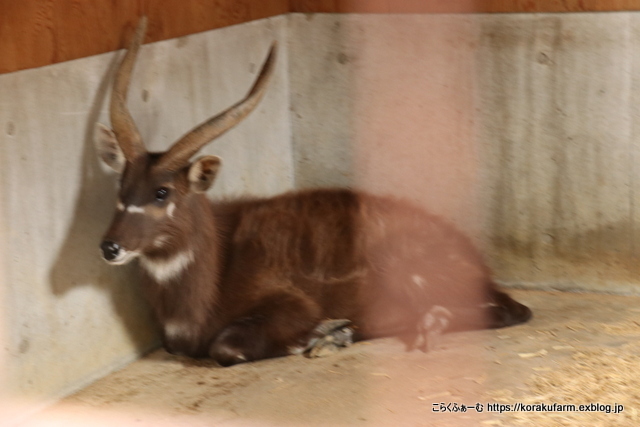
[(505, 311), (500, 310), (431, 327)]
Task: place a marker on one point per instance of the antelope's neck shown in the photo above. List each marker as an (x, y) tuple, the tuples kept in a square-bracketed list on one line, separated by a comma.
[(189, 240)]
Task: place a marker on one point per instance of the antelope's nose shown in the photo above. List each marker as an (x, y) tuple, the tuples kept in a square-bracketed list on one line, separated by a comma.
[(110, 250)]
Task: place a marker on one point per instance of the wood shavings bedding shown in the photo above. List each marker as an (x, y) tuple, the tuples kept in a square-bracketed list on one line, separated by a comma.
[(599, 376)]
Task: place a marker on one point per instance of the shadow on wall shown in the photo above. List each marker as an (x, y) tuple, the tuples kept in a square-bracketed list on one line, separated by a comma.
[(78, 262)]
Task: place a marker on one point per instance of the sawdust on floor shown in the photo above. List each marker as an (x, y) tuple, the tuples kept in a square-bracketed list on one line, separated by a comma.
[(580, 349)]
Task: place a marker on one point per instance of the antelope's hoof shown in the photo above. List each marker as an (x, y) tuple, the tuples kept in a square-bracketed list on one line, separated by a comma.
[(329, 337), (431, 328)]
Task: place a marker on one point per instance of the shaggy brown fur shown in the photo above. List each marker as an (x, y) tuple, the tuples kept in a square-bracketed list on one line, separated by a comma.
[(266, 272)]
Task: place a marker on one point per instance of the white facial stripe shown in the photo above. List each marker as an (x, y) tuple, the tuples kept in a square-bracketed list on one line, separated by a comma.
[(135, 209), (120, 206), (170, 209), (165, 270)]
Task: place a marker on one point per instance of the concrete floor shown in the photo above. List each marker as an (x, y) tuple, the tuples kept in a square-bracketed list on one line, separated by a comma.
[(578, 349)]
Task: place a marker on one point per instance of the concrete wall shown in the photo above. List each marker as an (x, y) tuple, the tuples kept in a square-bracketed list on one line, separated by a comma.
[(559, 97), (386, 104), (520, 128), (68, 316)]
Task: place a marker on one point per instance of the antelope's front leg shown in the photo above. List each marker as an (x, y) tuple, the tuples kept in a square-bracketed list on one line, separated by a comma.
[(329, 337), (278, 323)]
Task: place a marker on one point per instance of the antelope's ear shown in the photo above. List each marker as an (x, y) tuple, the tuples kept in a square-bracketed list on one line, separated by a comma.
[(108, 148), (202, 173)]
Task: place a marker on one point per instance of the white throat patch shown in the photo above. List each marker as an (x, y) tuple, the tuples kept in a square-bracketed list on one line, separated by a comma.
[(167, 269)]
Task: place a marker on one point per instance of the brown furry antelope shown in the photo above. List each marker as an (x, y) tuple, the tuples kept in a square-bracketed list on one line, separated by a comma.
[(263, 277)]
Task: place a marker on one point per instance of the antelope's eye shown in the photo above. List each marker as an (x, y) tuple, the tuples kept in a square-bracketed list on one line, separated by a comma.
[(162, 193)]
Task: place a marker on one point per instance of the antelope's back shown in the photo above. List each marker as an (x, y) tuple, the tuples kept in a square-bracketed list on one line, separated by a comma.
[(328, 238)]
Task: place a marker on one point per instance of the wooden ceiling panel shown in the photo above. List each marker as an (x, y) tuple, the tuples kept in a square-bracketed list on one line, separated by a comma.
[(34, 33)]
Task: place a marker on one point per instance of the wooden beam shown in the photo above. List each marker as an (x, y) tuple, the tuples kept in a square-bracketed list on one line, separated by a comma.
[(34, 33), (460, 6)]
